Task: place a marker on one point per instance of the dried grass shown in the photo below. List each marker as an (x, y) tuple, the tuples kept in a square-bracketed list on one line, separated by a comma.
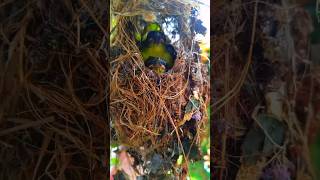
[(235, 90), (53, 78)]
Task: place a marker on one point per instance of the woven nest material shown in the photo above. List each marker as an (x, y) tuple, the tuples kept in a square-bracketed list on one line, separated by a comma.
[(144, 104), (148, 108), (139, 7)]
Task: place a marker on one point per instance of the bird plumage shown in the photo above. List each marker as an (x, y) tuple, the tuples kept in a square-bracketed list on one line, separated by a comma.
[(155, 50)]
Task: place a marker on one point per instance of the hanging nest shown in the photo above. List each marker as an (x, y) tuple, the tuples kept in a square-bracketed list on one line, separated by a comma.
[(152, 110)]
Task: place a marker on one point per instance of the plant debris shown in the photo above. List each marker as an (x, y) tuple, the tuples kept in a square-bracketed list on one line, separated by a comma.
[(53, 80), (265, 86)]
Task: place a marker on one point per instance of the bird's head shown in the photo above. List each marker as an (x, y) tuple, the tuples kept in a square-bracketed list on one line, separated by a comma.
[(157, 64), (156, 37)]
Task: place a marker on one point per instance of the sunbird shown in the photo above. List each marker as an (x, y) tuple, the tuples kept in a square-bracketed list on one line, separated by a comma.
[(157, 54)]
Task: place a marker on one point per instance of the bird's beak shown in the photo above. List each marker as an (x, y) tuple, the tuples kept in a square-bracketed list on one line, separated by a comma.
[(158, 69)]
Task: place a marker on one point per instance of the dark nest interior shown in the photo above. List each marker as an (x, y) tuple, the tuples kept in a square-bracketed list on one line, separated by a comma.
[(157, 117), (53, 80), (265, 89)]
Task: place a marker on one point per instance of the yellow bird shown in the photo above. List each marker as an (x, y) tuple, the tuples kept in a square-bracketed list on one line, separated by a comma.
[(157, 54)]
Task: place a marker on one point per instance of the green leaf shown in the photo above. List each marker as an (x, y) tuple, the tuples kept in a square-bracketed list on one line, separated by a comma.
[(114, 161), (192, 105), (257, 142), (179, 161), (137, 36), (276, 131), (205, 145), (197, 171), (252, 144)]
